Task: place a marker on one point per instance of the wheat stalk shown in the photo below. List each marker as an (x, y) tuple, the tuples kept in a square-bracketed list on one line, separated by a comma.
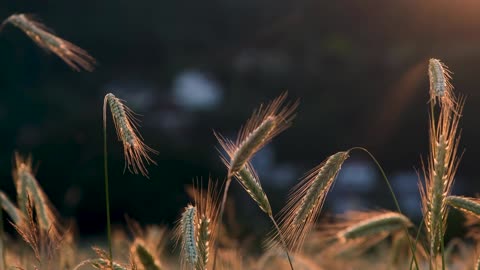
[(136, 152), (265, 123), (470, 206), (440, 171), (306, 200), (72, 55)]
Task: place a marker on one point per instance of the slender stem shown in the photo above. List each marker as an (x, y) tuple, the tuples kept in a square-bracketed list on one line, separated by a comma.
[(442, 245), (2, 240), (107, 194), (282, 240), (416, 241), (220, 216), (397, 205)]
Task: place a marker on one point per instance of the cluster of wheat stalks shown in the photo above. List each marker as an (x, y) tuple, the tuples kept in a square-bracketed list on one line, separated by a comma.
[(379, 239)]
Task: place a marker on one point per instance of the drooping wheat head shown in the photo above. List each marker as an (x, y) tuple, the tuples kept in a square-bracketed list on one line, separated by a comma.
[(365, 224), (186, 233), (306, 200), (136, 152), (28, 187), (440, 87), (440, 171), (13, 212), (74, 56), (469, 206), (265, 123)]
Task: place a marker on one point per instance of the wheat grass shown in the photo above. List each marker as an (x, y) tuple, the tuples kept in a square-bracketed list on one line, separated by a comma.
[(72, 55), (306, 200), (136, 152)]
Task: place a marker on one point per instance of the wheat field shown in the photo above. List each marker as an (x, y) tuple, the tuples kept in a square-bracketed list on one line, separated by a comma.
[(299, 239)]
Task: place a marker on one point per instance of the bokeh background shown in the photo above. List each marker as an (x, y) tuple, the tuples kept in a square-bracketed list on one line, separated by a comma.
[(359, 69)]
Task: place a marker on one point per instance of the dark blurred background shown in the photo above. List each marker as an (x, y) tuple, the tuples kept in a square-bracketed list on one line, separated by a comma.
[(359, 69)]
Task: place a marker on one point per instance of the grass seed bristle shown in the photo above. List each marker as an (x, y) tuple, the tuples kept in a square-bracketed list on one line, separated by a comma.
[(72, 55), (136, 152), (306, 200)]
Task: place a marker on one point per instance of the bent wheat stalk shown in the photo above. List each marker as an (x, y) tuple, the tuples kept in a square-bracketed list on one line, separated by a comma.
[(72, 55), (265, 123), (135, 150)]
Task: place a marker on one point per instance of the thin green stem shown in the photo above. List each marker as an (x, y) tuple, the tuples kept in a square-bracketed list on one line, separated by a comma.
[(397, 205), (2, 239), (107, 194), (416, 241), (282, 240), (220, 216)]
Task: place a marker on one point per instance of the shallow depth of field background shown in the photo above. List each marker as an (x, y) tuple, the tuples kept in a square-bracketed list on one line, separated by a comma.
[(359, 69)]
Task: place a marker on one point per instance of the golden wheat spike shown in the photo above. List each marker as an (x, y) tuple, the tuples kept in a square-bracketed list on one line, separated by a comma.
[(306, 201), (440, 171), (136, 152), (72, 55)]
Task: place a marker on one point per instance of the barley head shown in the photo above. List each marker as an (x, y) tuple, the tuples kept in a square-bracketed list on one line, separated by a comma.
[(469, 206), (13, 212)]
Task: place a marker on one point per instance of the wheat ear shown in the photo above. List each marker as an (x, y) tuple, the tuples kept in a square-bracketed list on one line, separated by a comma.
[(137, 153), (440, 87), (72, 55), (146, 258), (371, 223), (186, 232), (470, 206), (265, 123), (306, 200), (13, 212), (207, 204), (440, 172), (28, 187)]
